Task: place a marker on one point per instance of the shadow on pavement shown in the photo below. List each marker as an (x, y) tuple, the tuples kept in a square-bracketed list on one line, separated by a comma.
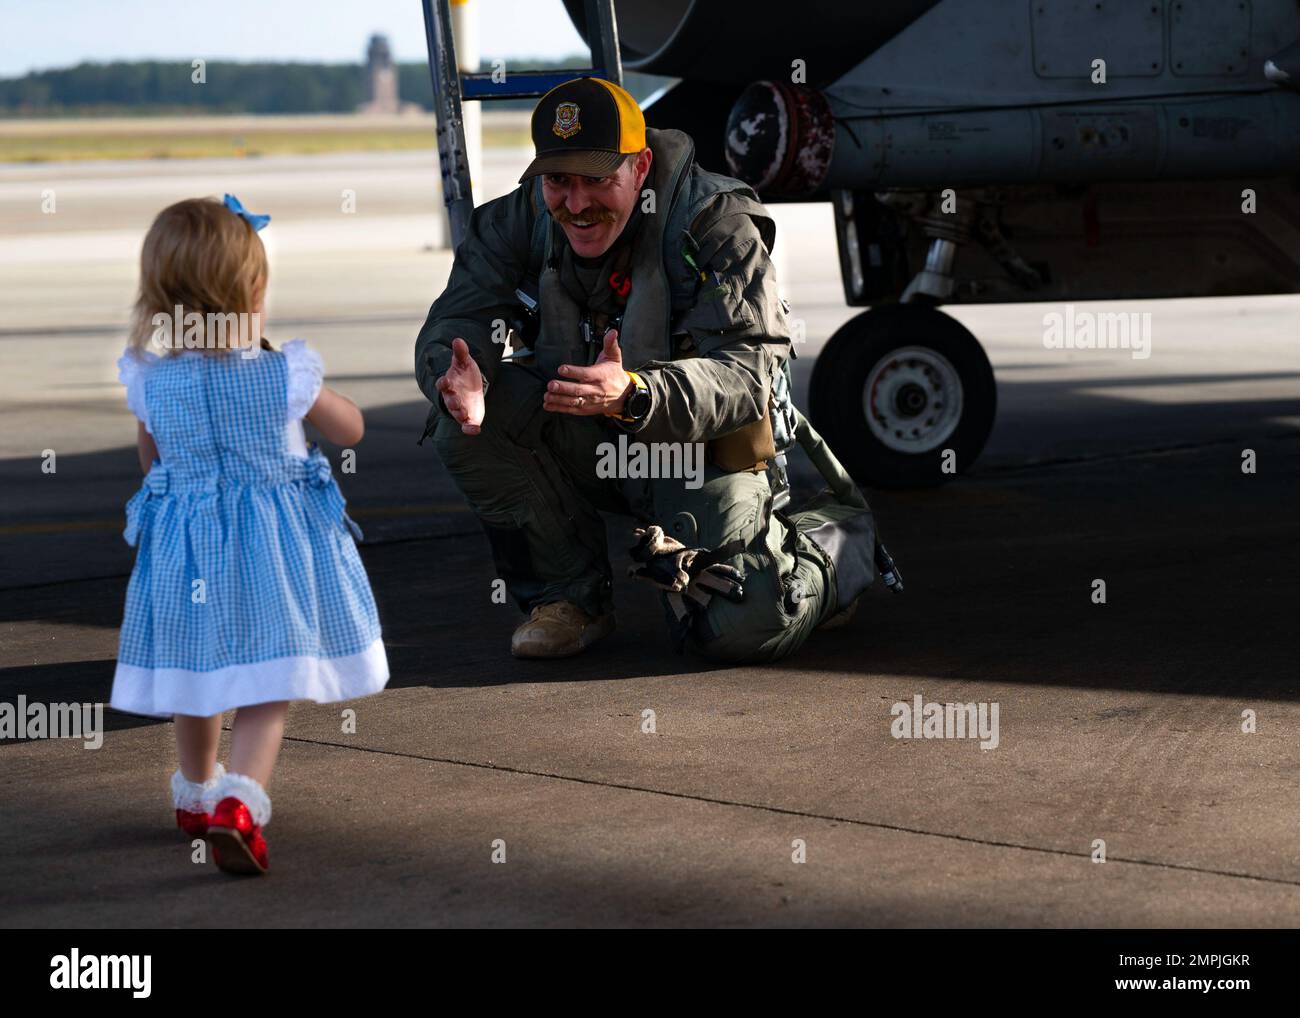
[(1200, 561)]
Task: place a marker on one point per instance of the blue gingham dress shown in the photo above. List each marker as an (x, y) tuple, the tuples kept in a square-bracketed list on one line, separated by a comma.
[(247, 585)]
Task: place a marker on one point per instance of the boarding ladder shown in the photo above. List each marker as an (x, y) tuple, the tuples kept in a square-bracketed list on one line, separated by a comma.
[(452, 87)]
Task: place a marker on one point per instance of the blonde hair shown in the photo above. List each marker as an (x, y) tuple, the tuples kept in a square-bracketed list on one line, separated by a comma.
[(198, 257)]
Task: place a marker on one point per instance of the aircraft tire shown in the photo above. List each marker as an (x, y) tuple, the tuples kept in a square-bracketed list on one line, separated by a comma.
[(904, 395)]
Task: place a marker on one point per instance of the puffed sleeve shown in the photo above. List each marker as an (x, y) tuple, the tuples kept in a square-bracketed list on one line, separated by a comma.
[(131, 370), (306, 376)]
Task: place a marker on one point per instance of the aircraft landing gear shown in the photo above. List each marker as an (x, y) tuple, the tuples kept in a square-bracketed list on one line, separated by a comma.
[(898, 386)]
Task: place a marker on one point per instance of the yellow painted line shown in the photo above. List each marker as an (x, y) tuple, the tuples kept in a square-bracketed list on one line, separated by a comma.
[(84, 526)]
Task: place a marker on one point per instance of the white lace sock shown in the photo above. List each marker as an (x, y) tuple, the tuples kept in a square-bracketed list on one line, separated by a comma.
[(247, 791), (191, 795)]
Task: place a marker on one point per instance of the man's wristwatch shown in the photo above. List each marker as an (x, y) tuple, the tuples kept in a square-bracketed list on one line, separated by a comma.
[(636, 401)]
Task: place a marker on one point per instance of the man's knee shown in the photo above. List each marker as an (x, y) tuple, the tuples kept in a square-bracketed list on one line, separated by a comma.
[(753, 634), (769, 624)]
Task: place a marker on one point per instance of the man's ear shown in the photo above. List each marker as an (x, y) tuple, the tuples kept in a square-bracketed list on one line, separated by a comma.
[(643, 160)]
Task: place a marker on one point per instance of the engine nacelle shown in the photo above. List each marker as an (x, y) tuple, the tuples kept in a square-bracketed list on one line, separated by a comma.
[(712, 40)]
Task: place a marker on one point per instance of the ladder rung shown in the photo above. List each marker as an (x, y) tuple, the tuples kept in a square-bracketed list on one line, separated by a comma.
[(521, 84)]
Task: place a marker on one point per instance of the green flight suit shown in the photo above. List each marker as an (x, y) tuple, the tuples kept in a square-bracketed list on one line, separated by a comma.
[(708, 356)]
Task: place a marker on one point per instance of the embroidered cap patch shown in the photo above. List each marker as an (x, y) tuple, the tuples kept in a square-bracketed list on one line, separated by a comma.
[(566, 120)]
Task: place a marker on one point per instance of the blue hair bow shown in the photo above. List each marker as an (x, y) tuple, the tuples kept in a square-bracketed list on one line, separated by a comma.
[(253, 219)]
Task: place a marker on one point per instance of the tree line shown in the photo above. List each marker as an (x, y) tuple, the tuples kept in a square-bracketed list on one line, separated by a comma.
[(157, 87)]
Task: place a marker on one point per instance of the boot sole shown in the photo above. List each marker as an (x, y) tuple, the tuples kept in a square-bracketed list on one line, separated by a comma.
[(231, 854)]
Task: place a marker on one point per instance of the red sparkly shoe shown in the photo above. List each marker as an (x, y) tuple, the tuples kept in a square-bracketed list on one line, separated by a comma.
[(237, 842), (195, 825)]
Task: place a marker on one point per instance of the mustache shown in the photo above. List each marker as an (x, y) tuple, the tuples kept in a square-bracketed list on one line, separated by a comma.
[(594, 214)]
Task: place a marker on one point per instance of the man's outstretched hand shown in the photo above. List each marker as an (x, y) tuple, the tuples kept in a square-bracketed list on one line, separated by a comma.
[(598, 389), (462, 389)]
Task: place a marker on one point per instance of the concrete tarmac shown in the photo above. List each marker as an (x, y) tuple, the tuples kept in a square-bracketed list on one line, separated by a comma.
[(1119, 722)]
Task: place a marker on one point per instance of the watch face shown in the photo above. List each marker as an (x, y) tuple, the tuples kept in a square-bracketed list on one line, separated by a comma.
[(638, 404)]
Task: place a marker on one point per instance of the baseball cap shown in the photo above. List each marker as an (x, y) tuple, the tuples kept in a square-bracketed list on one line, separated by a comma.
[(585, 126)]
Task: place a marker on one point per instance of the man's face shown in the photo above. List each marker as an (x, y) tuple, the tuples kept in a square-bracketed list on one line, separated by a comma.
[(592, 211)]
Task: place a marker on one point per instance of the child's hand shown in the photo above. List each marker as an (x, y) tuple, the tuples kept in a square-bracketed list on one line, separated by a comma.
[(462, 389)]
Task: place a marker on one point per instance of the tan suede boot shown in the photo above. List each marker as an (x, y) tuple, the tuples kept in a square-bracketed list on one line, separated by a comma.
[(559, 629)]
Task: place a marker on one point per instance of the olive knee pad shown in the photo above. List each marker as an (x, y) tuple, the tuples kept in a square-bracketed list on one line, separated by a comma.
[(766, 625)]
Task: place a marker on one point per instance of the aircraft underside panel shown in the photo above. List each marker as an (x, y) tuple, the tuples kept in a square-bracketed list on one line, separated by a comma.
[(1100, 241)]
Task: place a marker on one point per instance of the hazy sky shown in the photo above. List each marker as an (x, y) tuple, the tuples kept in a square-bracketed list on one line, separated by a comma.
[(37, 34)]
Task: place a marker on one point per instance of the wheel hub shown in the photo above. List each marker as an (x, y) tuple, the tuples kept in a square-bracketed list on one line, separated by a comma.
[(912, 399)]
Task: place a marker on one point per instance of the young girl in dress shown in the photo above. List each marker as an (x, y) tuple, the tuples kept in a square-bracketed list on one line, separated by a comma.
[(247, 591)]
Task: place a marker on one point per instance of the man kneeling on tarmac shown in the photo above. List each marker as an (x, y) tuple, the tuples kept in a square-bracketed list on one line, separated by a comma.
[(643, 304)]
